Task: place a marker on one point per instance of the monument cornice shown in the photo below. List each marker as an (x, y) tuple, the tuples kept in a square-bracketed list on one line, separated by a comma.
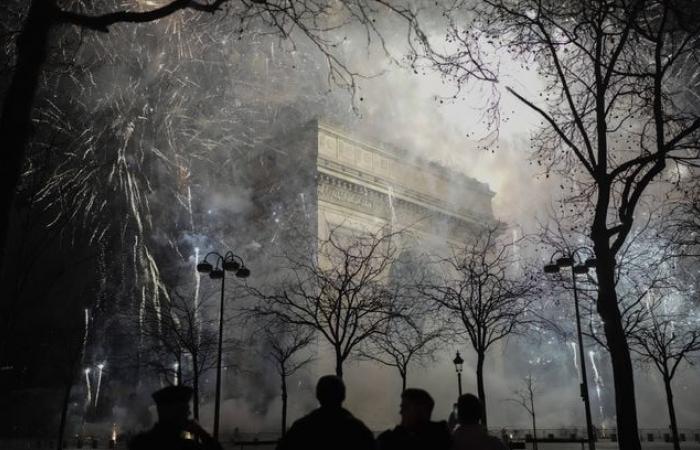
[(380, 185), (404, 157), (373, 199)]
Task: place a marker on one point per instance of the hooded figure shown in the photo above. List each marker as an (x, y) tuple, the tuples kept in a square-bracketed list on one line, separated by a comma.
[(330, 426)]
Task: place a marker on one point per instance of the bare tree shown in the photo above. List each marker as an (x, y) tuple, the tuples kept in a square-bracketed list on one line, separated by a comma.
[(652, 298), (668, 335), (482, 294), (403, 343), (337, 291), (642, 269), (617, 110), (178, 331), (284, 346), (646, 278), (525, 397), (411, 338), (681, 225)]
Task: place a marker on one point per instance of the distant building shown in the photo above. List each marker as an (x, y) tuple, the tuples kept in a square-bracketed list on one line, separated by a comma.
[(321, 177)]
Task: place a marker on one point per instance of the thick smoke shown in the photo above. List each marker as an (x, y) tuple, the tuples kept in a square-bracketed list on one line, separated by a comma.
[(187, 101)]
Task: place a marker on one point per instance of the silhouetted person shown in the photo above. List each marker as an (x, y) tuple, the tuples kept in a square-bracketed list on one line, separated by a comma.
[(471, 434), (174, 429), (330, 427), (416, 431)]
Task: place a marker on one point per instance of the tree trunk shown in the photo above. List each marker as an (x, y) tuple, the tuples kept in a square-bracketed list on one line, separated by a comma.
[(403, 381), (534, 431), (15, 121), (480, 386), (672, 413), (623, 375), (284, 405), (64, 414), (338, 365), (195, 386), (178, 372)]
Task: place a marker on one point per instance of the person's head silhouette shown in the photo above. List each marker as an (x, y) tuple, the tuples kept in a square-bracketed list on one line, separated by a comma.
[(330, 391), (416, 407), (469, 409), (173, 404)]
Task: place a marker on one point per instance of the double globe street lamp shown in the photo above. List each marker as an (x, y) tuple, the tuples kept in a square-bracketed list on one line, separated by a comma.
[(578, 267), (229, 262)]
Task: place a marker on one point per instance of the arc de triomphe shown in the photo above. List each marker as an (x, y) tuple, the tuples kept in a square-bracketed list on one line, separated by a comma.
[(321, 176)]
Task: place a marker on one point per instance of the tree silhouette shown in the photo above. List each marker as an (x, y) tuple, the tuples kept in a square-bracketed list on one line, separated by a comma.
[(482, 295), (413, 337), (179, 341), (525, 397), (403, 343), (616, 110), (283, 345), (667, 335), (338, 290)]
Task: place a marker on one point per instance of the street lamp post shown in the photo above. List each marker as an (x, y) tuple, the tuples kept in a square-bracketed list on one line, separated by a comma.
[(229, 262), (459, 363), (573, 260)]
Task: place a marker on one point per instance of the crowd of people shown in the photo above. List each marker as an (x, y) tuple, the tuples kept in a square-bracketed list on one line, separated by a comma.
[(331, 426)]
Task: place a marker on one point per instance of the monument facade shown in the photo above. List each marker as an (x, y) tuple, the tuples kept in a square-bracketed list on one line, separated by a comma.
[(323, 177)]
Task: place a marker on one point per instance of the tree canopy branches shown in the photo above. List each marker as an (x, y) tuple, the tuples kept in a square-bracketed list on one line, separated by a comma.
[(337, 291), (617, 77)]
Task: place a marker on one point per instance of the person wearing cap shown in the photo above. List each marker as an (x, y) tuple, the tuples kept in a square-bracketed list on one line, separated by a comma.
[(174, 429), (416, 431), (330, 427), (471, 433)]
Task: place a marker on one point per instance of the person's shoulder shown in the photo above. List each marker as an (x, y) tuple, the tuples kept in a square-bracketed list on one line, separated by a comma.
[(141, 441), (308, 419), (387, 440), (497, 443), (358, 430), (440, 434), (440, 426), (360, 426), (193, 445), (468, 436), (304, 425), (386, 435)]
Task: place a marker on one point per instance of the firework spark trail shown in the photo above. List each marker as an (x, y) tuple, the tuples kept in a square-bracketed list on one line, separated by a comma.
[(189, 209), (197, 281), (390, 192), (88, 388), (100, 368), (303, 205), (573, 350), (85, 334), (126, 179), (143, 300), (102, 272), (597, 380), (137, 103), (158, 288)]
